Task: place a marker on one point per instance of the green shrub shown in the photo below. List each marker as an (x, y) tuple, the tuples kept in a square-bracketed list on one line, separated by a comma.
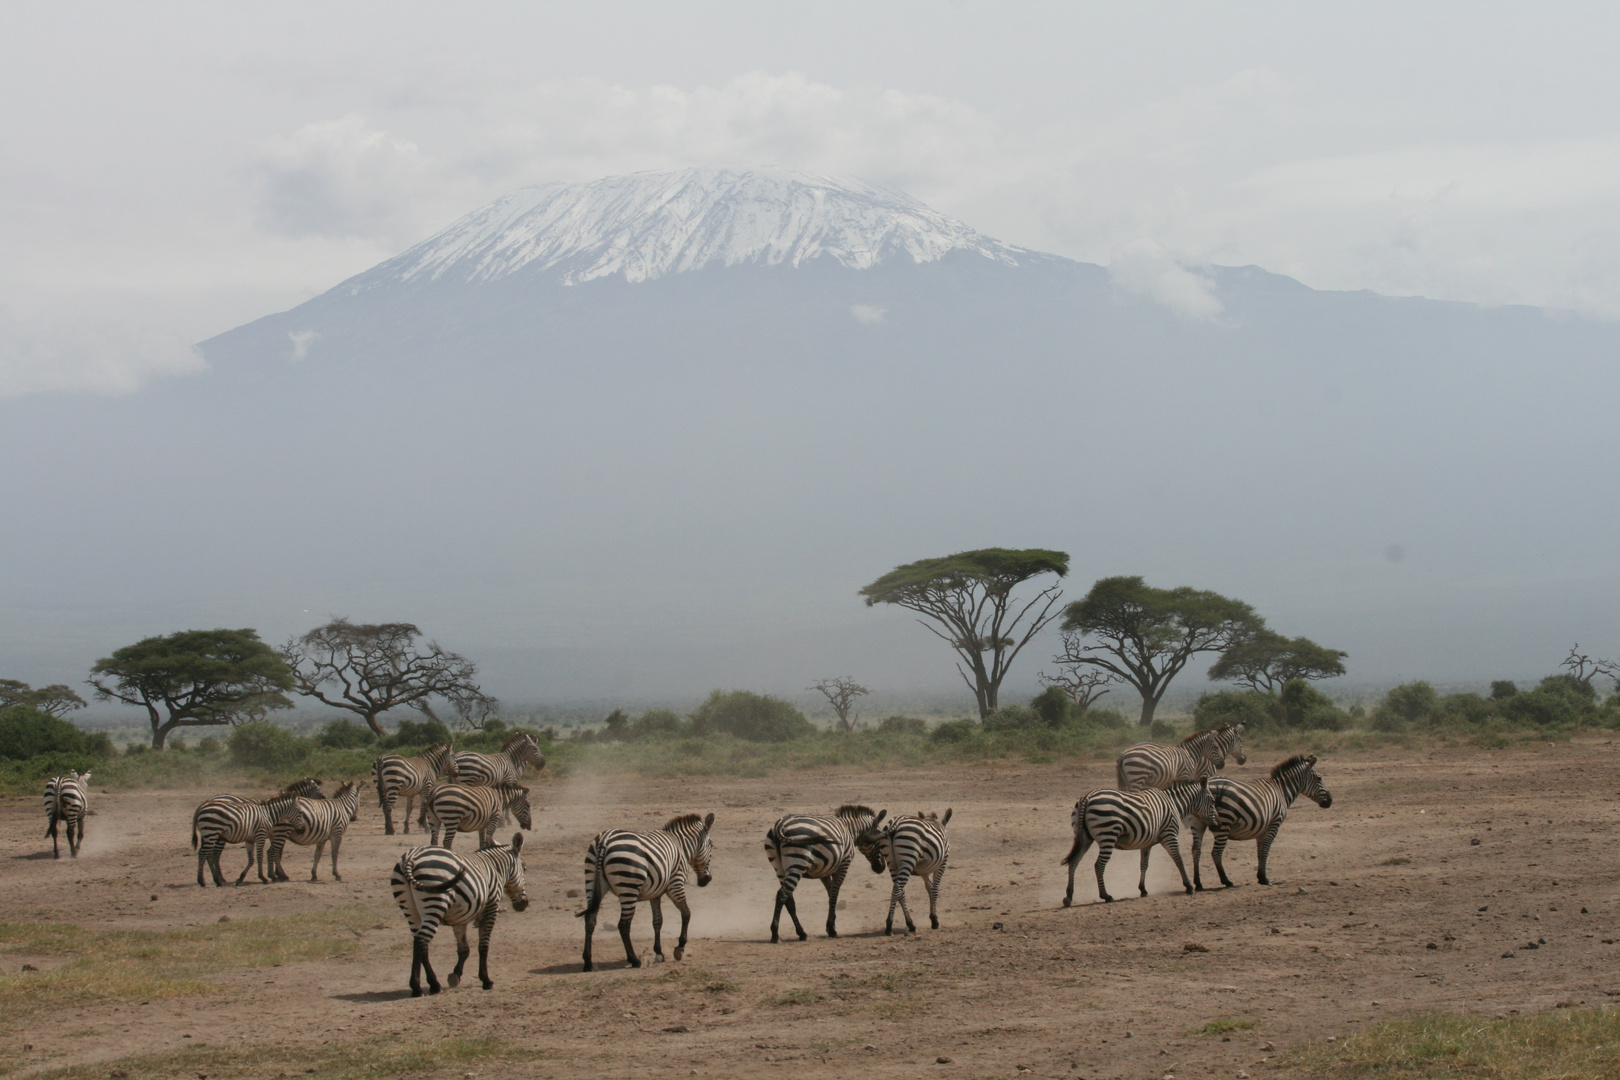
[(616, 725), (265, 745), (1107, 718), (415, 733), (1503, 688), (209, 745), (1013, 718), (755, 717), (1304, 706), (1163, 730), (1053, 706), (1251, 708), (26, 732), (345, 734), (955, 731), (1412, 701), (657, 724), (1464, 709), (1546, 705), (903, 725)]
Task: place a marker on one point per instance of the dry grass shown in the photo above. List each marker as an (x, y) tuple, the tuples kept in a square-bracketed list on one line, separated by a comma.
[(136, 965), (346, 1061), (1565, 1044), (1224, 1025)]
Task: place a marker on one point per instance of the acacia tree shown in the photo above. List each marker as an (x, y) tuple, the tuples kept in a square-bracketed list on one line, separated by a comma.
[(195, 678), (966, 601), (1146, 635), (369, 668), (1266, 661), (840, 694), (1082, 686), (1584, 668), (56, 699)]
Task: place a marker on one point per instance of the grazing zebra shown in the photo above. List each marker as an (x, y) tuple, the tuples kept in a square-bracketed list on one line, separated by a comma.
[(910, 845), (1255, 810), (646, 866), (1133, 821), (67, 802), (478, 810), (506, 767), (315, 821), (802, 846), (1150, 765), (412, 778), (433, 885), (233, 819)]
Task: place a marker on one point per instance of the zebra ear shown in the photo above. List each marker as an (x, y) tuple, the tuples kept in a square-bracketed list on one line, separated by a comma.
[(946, 820), (1240, 729), (881, 815), (708, 822), (517, 842), (85, 779), (1312, 759)]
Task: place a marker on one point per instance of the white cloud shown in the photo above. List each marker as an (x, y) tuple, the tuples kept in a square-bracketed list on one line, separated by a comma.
[(301, 341), (340, 178), (77, 352), (1146, 269), (868, 314)]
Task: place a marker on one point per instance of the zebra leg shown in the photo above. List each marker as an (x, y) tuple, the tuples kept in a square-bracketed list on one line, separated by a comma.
[(260, 842), (658, 927), (75, 833), (1141, 882), (834, 882), (278, 844), (902, 876), (405, 818), (337, 841), (1198, 852), (1074, 862), (420, 962), (315, 867), (933, 882), (677, 896), (590, 928), (486, 928), (56, 850), (243, 875), (450, 833), (388, 813), (463, 950), (1263, 848), (1217, 854), (627, 912), (1105, 851), (202, 860), (1172, 844)]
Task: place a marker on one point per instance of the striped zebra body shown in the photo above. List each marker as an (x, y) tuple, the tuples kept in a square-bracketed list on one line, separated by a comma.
[(646, 866), (413, 780), (315, 822), (1133, 821), (506, 767), (911, 845), (477, 810), (67, 803), (234, 819), (434, 886), (1201, 754), (803, 846), (1255, 810)]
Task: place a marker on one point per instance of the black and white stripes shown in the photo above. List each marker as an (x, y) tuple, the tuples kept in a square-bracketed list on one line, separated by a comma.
[(910, 845), (67, 802), (233, 819), (1255, 810), (434, 886), (1132, 821), (315, 822), (636, 866), (806, 846), (506, 767), (478, 810), (1151, 765), (412, 779)]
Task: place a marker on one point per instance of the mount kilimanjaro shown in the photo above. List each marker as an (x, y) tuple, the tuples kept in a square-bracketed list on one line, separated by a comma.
[(645, 436)]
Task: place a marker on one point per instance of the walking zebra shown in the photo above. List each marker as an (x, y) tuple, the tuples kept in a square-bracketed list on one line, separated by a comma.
[(478, 810), (1255, 810), (412, 778), (1150, 765), (434, 886), (506, 767), (910, 845), (315, 821), (646, 866), (802, 846), (234, 819), (1133, 821), (67, 802)]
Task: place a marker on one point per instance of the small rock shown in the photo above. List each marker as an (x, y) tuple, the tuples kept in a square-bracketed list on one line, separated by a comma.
[(1431, 945), (154, 896), (1541, 940), (1241, 1075), (1193, 946), (1299, 892), (1377, 1003), (30, 967), (1128, 1035), (1583, 911), (1565, 1004), (1274, 930), (1529, 945), (673, 1029), (1268, 1049), (942, 1061), (868, 1046), (116, 1074), (1475, 842), (224, 918), (1333, 1038), (1507, 956), (572, 893), (1487, 907), (995, 926)]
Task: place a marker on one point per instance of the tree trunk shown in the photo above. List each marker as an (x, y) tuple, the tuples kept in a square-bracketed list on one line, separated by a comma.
[(160, 734), (1148, 705), (376, 725)]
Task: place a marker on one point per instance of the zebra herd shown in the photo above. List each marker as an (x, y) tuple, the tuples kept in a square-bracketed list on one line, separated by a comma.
[(1160, 788)]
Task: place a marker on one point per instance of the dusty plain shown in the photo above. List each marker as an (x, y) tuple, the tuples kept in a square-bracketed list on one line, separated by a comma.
[(1419, 890)]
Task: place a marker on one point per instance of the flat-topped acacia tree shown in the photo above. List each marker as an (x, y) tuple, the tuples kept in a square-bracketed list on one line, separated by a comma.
[(966, 600), (1267, 661)]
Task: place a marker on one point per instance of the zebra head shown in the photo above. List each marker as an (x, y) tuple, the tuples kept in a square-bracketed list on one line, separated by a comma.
[(308, 787), (703, 852), (348, 796), (1314, 788), (522, 749), (439, 758), (515, 888), (517, 801), (1230, 736), (867, 842), (1298, 776)]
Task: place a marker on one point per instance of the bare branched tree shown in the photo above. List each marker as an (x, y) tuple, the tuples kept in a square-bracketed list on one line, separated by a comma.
[(841, 694), (1083, 685), (1585, 668), (371, 668)]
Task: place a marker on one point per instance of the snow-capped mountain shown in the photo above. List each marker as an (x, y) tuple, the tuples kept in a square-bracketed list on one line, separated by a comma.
[(650, 224)]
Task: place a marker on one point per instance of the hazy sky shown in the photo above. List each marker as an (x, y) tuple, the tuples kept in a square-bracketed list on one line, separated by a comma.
[(168, 171)]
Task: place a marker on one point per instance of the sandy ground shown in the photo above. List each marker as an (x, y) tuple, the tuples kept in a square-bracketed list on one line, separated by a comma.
[(1342, 938)]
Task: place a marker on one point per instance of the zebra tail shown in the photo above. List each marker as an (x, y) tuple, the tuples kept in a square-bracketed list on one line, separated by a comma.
[(1119, 772), (1082, 837), (194, 814), (595, 887)]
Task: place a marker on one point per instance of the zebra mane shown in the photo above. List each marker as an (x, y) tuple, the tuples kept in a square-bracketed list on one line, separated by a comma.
[(1195, 736), (676, 824), (1287, 764), (854, 810), (518, 739)]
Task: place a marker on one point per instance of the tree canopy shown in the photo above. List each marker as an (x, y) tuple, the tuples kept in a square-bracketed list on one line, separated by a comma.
[(369, 668), (1146, 636), (966, 601), (53, 700), (1267, 661), (195, 678)]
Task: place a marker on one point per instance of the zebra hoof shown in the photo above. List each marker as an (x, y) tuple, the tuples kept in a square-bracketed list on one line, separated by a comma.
[(679, 952), (1107, 899), (416, 991), (888, 931), (933, 924), (454, 980), (806, 937), (830, 933), (488, 984), (1068, 901), (587, 966), (432, 989)]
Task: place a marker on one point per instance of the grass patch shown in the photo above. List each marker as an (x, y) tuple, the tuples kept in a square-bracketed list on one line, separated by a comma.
[(801, 996), (1223, 1025), (1565, 1044), (706, 981), (348, 1061), (143, 965), (1399, 860)]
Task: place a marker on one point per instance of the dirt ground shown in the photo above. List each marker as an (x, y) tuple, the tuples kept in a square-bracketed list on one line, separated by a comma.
[(1506, 848)]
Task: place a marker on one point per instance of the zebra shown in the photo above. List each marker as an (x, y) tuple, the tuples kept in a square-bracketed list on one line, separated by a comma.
[(413, 778), (1255, 810), (1150, 765), (1133, 821), (433, 885), (908, 845), (477, 810), (315, 821), (646, 866), (506, 767), (67, 802), (233, 819), (802, 846)]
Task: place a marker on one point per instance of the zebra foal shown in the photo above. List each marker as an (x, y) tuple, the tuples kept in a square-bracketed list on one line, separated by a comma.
[(434, 886), (1255, 810), (315, 822), (637, 866), (413, 779), (1133, 821), (505, 767), (478, 810), (804, 846), (67, 803), (234, 819), (1152, 765), (910, 845)]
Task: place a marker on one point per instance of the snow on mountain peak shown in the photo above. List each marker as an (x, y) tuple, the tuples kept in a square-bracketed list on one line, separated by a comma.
[(649, 224)]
